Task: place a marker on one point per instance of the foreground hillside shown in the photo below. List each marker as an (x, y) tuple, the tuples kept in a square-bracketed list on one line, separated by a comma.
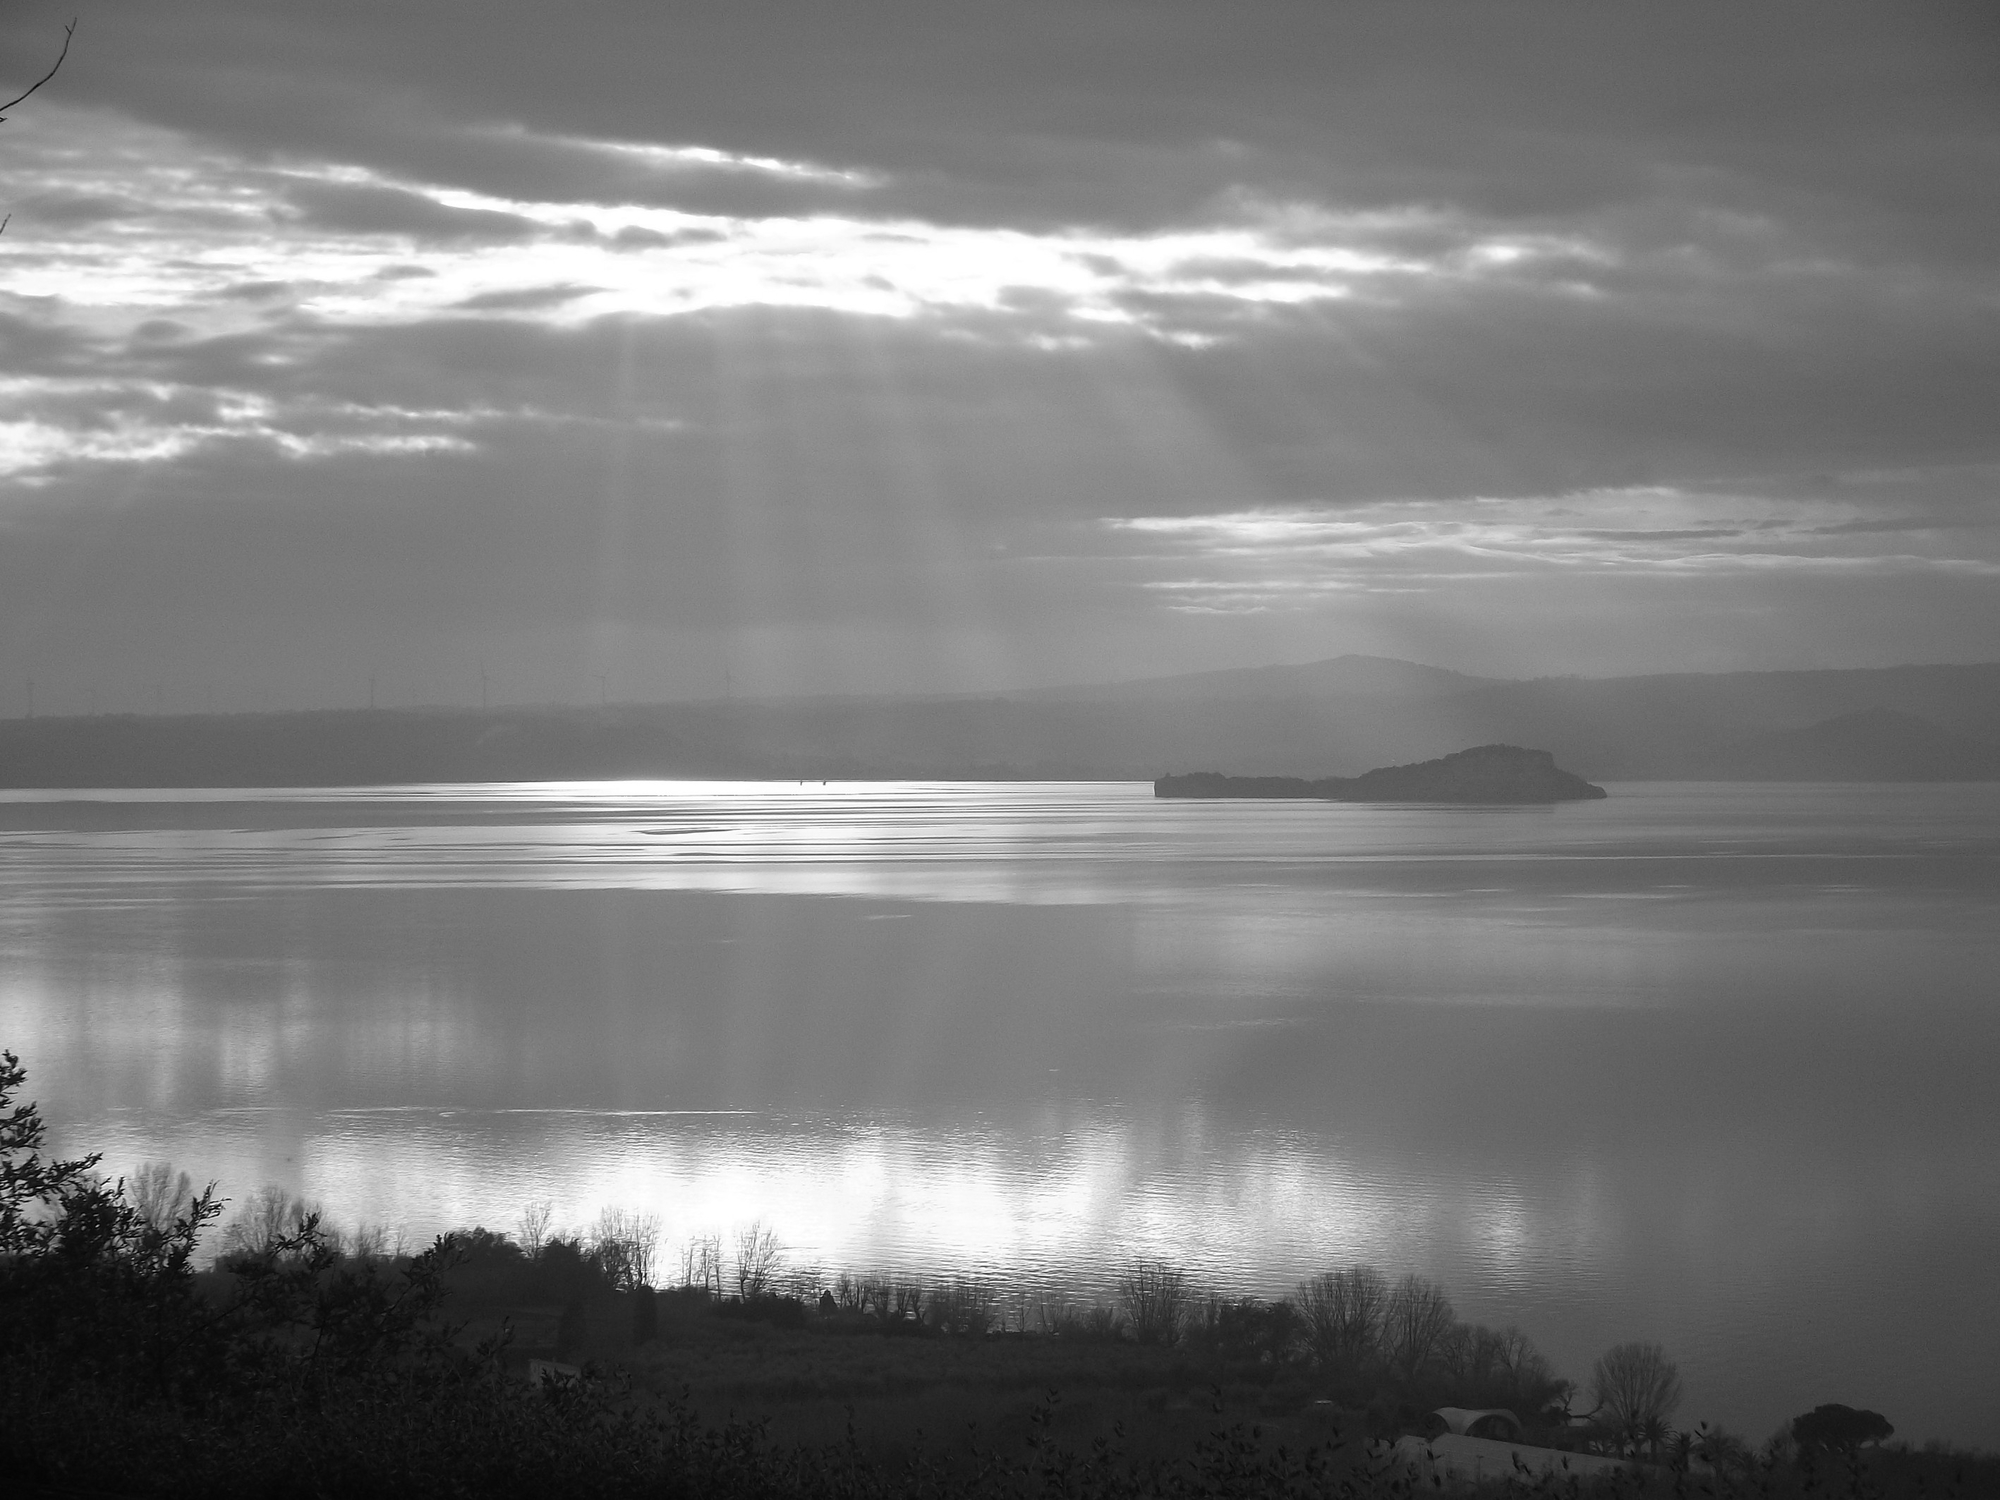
[(484, 1366)]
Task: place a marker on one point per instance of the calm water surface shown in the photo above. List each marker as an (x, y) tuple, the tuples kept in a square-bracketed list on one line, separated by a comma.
[(1713, 1065)]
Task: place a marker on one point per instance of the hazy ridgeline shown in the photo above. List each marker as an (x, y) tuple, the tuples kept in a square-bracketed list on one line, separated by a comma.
[(1914, 723), (302, 1360)]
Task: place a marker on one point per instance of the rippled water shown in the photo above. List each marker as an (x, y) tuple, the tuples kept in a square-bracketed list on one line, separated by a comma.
[(1712, 1065)]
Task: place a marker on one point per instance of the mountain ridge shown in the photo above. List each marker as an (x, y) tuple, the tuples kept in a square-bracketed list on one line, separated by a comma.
[(1660, 727)]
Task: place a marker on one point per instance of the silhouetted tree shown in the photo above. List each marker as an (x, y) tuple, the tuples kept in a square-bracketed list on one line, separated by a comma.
[(1153, 1296), (1342, 1314), (267, 1216), (963, 1305), (623, 1246), (534, 1228), (1636, 1384), (1839, 1429), (758, 1259), (1416, 1319), (157, 1191)]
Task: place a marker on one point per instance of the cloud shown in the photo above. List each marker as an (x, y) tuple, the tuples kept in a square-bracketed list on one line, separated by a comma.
[(677, 161), (370, 209), (1084, 321), (525, 299), (1267, 559)]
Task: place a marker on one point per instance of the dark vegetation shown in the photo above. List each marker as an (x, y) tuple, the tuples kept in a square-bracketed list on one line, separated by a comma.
[(302, 1362)]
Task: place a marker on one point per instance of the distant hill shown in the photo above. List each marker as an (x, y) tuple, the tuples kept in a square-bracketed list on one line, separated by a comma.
[(1486, 775), (1320, 719), (1876, 744)]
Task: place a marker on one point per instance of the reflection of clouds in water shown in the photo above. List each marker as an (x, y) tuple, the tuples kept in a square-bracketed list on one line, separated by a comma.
[(900, 1195), (1078, 1205)]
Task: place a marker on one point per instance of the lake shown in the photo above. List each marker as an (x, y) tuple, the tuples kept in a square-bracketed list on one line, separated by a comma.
[(1708, 1064)]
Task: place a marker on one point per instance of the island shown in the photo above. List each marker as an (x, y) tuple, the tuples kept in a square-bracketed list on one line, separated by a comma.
[(1486, 775)]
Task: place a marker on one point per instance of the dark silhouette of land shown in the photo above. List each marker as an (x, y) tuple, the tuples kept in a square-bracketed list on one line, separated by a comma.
[(1338, 717), (1486, 775)]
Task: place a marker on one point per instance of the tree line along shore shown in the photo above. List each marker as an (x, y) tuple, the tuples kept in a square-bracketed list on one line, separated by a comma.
[(154, 1349)]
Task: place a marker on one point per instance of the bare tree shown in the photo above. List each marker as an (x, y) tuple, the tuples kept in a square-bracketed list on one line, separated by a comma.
[(534, 1227), (701, 1264), (1637, 1388), (758, 1258), (963, 1305), (1724, 1451), (1154, 1298), (1470, 1354), (875, 1294), (624, 1244), (1416, 1317), (369, 1242), (1342, 1311), (267, 1216), (1526, 1372), (158, 1192)]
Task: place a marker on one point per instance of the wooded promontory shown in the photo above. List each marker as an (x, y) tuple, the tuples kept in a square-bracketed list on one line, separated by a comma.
[(1485, 775)]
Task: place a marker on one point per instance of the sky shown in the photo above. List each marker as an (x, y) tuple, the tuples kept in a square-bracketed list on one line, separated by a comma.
[(628, 350)]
